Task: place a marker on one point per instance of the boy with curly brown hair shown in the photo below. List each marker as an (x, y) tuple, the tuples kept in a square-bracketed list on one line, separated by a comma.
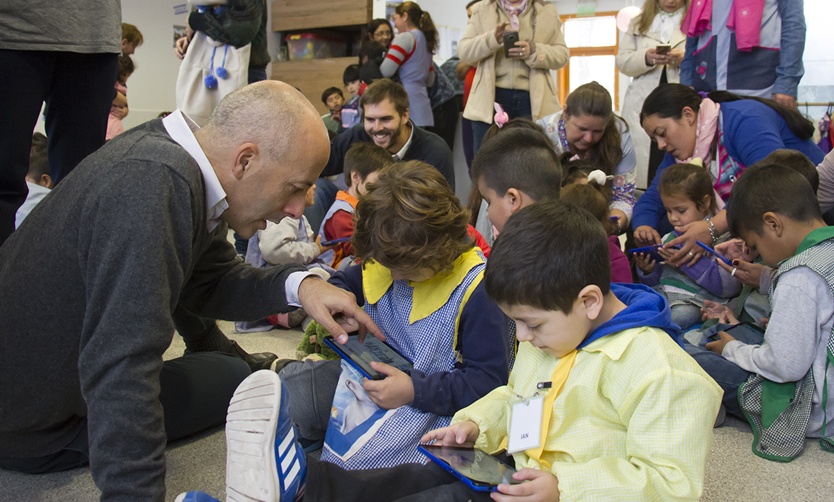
[(421, 281)]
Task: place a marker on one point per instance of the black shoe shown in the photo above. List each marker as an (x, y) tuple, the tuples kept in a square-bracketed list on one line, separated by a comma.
[(259, 361)]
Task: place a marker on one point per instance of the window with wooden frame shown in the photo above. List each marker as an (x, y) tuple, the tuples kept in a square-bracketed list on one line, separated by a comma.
[(593, 42)]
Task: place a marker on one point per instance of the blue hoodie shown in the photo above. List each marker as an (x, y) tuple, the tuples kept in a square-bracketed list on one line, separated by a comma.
[(644, 308)]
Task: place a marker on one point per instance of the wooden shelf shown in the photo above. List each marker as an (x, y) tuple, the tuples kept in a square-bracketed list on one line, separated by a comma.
[(312, 76), (294, 15)]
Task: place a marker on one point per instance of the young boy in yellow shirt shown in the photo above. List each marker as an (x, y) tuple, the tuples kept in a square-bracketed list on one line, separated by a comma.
[(626, 414)]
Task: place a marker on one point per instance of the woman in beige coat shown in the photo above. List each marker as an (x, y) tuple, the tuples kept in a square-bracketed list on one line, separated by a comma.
[(638, 57), (521, 83)]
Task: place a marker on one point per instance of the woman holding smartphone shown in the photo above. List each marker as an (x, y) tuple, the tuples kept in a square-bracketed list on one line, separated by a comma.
[(518, 79), (650, 52)]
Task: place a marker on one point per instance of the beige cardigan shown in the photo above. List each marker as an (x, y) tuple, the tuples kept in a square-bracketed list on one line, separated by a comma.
[(631, 60), (478, 47)]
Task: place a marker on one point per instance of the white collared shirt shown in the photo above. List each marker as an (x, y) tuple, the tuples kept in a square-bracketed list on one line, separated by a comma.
[(181, 129), (399, 155)]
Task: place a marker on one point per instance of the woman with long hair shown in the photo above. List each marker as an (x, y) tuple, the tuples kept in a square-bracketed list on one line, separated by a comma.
[(727, 132), (651, 51), (588, 129), (409, 56)]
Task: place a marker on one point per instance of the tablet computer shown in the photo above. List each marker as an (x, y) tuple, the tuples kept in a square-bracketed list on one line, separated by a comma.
[(335, 241), (360, 355), (479, 470), (745, 332), (651, 251)]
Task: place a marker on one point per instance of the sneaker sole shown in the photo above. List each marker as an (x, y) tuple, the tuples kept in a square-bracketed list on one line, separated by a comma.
[(250, 440)]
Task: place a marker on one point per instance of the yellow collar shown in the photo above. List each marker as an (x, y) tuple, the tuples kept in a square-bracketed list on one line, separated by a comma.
[(428, 295)]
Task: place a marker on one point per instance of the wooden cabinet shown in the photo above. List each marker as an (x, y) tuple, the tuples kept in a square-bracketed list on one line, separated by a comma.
[(312, 76), (293, 15)]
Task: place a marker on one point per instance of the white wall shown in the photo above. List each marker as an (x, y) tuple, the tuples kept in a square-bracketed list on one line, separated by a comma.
[(151, 87)]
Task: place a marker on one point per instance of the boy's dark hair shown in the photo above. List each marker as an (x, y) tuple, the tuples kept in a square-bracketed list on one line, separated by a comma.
[(38, 159), (770, 188), (519, 158), (411, 220), (365, 158), (132, 34), (383, 89), (329, 92), (797, 161), (545, 255), (351, 74), (690, 181)]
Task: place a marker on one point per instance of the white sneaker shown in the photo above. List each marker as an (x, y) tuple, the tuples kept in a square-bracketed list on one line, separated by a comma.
[(264, 461)]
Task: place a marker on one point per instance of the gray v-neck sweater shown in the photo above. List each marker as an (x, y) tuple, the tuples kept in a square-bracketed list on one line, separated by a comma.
[(88, 285)]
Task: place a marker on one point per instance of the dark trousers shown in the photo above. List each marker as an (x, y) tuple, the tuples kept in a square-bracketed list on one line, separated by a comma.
[(78, 90), (515, 103), (195, 391), (407, 482), (445, 122)]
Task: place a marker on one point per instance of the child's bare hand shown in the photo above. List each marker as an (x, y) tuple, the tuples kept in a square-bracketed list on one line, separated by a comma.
[(718, 346), (462, 433), (736, 249), (645, 262), (322, 249), (541, 486), (180, 46), (395, 390), (645, 235), (715, 310)]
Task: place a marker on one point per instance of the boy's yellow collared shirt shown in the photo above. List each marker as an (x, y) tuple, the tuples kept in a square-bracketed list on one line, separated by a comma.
[(634, 421)]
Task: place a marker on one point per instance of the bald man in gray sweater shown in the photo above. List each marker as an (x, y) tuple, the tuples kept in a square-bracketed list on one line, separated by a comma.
[(91, 284)]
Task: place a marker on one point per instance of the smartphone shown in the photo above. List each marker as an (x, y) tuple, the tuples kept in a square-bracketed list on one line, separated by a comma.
[(479, 470), (662, 50), (335, 241), (360, 355), (746, 332), (715, 253), (510, 38), (651, 251)]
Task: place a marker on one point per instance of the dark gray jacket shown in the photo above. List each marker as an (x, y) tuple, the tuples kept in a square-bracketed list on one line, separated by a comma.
[(88, 284)]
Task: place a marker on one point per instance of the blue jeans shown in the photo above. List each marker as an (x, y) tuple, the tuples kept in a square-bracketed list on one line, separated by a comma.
[(515, 103), (686, 315), (728, 375)]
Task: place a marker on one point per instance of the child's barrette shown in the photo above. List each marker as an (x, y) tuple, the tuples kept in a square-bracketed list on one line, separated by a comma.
[(696, 161), (599, 177), (501, 116)]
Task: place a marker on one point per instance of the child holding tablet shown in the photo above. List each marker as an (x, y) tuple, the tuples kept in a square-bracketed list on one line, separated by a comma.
[(688, 196), (628, 413), (421, 283)]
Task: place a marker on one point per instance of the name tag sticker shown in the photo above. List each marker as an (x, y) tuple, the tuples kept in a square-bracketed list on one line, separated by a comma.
[(525, 424)]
